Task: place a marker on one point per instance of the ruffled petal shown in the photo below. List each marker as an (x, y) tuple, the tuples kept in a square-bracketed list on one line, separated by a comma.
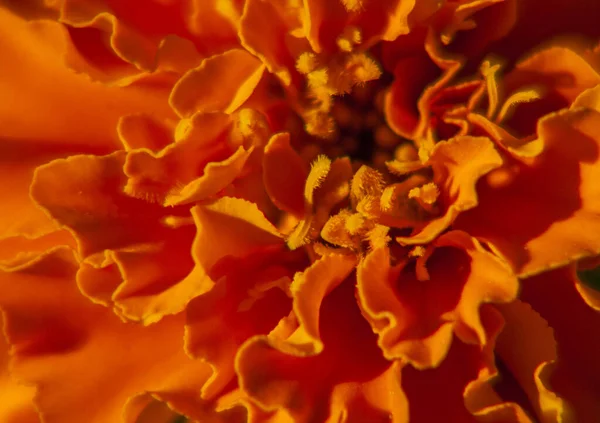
[(42, 121), (85, 195), (200, 141), (527, 348), (458, 164), (62, 355), (559, 190), (555, 297), (264, 32), (435, 394), (415, 318), (17, 399), (251, 295), (144, 131), (284, 173), (220, 84), (286, 374)]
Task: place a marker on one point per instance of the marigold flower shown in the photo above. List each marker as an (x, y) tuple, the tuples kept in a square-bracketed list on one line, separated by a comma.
[(299, 211)]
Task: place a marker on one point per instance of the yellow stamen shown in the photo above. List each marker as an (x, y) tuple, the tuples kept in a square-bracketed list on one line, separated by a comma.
[(418, 251), (366, 182), (353, 5), (307, 62), (489, 73)]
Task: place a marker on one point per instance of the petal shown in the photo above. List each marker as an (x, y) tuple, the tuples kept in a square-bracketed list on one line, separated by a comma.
[(63, 356), (230, 226), (527, 346), (548, 201), (400, 335), (85, 195), (42, 121), (284, 173), (200, 140), (249, 298), (263, 33), (323, 23), (562, 75), (415, 318), (285, 374), (144, 131), (554, 296), (435, 394), (458, 164), (15, 250), (217, 176), (220, 84), (17, 399)]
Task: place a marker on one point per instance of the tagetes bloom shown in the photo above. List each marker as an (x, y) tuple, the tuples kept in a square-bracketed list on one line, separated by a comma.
[(299, 211)]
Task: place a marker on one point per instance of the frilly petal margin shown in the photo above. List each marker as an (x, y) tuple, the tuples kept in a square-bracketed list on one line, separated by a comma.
[(555, 297), (457, 164), (42, 121), (560, 191), (85, 195), (415, 318), (528, 349), (330, 364), (95, 359), (221, 83), (435, 394), (251, 295)]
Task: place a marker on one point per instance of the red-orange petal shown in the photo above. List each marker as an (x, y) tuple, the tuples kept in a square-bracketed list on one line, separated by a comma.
[(458, 164), (42, 121), (447, 383), (17, 399), (415, 319), (220, 84), (249, 298), (63, 356), (286, 374), (284, 174), (555, 297), (546, 214)]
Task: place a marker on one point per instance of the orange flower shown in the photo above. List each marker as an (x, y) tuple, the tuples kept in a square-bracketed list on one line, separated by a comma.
[(287, 211)]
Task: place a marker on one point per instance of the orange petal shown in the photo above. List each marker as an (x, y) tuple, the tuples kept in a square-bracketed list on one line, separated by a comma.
[(216, 177), (143, 131), (323, 23), (250, 297), (17, 399), (145, 409), (562, 75), (400, 335), (415, 318), (199, 141), (85, 195), (554, 296), (280, 374), (42, 121), (263, 33), (17, 249), (220, 84), (230, 226), (94, 359), (447, 383), (528, 349), (98, 278), (545, 214), (458, 164), (284, 173)]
